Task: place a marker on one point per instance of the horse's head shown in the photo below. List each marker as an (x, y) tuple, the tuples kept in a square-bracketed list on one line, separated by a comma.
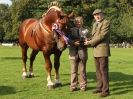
[(61, 30), (56, 21)]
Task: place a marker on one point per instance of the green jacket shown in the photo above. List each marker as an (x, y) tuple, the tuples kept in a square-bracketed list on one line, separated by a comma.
[(101, 38)]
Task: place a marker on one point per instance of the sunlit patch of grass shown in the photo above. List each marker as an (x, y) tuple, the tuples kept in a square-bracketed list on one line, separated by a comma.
[(12, 86)]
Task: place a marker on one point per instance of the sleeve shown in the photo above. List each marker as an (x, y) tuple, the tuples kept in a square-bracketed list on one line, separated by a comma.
[(70, 36), (104, 32)]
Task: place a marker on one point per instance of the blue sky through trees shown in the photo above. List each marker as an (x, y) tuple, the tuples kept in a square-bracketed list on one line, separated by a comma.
[(5, 2)]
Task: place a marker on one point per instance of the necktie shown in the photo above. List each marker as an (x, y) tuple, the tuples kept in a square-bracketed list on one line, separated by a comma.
[(78, 32)]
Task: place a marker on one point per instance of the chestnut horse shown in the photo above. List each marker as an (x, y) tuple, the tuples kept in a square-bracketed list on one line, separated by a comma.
[(46, 35)]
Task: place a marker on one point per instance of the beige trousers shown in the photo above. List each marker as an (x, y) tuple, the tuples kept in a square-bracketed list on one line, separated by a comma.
[(76, 64)]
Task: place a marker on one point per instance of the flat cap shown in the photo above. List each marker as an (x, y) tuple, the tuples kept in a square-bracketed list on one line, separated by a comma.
[(97, 11)]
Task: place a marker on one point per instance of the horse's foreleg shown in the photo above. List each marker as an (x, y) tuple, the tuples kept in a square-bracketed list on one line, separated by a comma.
[(56, 66), (32, 58), (24, 58), (48, 66)]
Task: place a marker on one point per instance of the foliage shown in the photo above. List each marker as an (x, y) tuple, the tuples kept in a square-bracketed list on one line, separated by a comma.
[(5, 20), (119, 12)]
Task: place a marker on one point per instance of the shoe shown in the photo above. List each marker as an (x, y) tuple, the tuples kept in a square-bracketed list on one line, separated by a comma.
[(83, 89), (104, 94), (73, 89), (96, 91)]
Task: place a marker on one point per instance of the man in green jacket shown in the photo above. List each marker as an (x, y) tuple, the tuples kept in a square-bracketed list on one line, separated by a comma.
[(100, 41)]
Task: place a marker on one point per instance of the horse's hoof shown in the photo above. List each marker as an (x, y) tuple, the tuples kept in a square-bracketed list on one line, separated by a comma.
[(31, 76), (51, 87), (58, 84), (24, 77)]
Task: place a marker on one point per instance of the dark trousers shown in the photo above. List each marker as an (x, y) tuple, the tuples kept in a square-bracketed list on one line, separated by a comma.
[(102, 73)]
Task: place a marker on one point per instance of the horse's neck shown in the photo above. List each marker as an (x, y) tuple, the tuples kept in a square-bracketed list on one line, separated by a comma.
[(51, 16), (45, 27), (52, 13), (50, 19)]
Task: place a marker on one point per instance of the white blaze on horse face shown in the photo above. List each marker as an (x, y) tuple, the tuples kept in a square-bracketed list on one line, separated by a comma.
[(60, 44)]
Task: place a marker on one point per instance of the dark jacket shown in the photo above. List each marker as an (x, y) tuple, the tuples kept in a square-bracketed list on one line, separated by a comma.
[(81, 50)]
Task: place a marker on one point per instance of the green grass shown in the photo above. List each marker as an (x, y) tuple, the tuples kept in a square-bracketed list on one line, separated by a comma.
[(12, 86)]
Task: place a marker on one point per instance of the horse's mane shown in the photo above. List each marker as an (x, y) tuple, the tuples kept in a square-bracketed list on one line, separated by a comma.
[(55, 7), (52, 7)]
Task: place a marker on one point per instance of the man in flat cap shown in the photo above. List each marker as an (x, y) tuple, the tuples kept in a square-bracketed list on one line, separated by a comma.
[(100, 41)]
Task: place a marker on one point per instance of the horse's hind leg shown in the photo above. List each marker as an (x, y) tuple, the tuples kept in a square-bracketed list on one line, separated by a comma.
[(32, 58), (24, 58)]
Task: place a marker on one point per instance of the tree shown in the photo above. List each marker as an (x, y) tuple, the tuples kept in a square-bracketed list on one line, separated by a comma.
[(119, 12), (4, 20), (23, 9)]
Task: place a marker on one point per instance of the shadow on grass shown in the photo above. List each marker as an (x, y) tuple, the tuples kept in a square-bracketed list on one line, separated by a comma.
[(6, 90), (89, 75), (11, 58), (120, 83), (66, 84)]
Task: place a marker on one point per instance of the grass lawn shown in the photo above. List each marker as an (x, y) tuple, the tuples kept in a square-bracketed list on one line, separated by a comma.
[(12, 86)]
